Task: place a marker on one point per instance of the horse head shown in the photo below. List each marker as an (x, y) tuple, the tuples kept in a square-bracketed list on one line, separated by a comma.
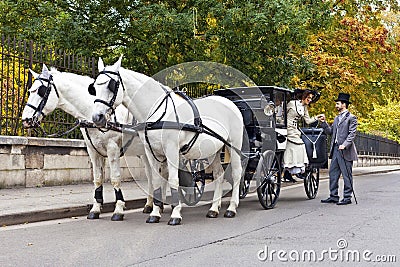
[(42, 99), (108, 90)]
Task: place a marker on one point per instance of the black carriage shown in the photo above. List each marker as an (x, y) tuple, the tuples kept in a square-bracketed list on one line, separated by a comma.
[(264, 115), (265, 135)]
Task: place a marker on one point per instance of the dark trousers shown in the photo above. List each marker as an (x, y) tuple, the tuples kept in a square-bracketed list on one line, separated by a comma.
[(340, 166)]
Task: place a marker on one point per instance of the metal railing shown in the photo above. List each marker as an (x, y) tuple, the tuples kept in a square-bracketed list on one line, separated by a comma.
[(368, 144), (16, 58)]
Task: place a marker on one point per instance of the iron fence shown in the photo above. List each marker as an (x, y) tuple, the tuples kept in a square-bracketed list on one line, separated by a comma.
[(17, 57), (368, 144)]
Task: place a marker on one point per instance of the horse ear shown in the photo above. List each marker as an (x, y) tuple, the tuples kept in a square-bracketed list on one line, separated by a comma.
[(34, 74), (117, 64), (100, 64), (45, 71)]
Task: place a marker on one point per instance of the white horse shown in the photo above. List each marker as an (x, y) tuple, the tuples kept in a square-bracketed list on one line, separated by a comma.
[(68, 91), (150, 101)]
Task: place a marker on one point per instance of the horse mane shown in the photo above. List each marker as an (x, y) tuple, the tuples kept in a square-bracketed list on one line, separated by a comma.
[(53, 70)]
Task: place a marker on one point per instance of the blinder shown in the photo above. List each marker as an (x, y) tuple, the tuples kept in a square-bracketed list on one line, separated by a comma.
[(113, 86), (91, 89), (42, 90)]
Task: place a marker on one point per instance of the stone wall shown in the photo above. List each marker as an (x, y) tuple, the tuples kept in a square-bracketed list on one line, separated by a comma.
[(372, 160), (31, 162)]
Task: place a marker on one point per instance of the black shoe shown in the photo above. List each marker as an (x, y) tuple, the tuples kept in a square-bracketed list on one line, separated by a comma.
[(344, 202), (329, 200)]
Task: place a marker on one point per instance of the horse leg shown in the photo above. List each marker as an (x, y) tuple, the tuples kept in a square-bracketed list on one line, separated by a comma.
[(148, 207), (236, 165), (98, 168), (164, 182), (115, 177), (173, 179), (155, 181), (218, 173)]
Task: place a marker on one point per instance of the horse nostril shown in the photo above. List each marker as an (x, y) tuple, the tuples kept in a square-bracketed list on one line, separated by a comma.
[(98, 118), (26, 124)]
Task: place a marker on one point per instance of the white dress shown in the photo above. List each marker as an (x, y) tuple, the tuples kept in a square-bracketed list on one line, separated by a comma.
[(295, 157)]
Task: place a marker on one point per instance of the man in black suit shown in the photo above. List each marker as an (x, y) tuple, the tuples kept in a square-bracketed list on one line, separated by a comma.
[(342, 151)]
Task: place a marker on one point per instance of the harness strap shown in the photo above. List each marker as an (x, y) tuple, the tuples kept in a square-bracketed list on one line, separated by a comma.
[(90, 140)]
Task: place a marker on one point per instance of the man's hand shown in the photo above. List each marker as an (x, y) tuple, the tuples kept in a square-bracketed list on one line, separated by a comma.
[(341, 147), (321, 117)]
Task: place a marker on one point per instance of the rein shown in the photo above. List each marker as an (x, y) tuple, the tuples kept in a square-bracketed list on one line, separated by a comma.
[(113, 86), (44, 93), (198, 127)]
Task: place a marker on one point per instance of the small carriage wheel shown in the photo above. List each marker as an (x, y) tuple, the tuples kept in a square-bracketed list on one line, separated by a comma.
[(311, 182), (191, 195), (268, 177), (244, 188)]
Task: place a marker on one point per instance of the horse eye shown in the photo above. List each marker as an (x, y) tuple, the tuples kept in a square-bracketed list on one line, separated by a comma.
[(92, 90), (42, 91)]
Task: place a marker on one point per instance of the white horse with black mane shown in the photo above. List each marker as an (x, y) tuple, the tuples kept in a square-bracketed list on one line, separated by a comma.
[(173, 127), (68, 91)]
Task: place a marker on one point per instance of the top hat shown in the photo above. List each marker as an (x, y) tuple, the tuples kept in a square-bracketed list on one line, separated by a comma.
[(343, 97)]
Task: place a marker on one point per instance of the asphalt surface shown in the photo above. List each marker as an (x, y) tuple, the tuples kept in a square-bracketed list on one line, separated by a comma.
[(28, 205)]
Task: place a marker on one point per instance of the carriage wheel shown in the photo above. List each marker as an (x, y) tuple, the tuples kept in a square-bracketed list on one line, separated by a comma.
[(192, 195), (191, 192), (244, 188), (311, 182), (268, 179)]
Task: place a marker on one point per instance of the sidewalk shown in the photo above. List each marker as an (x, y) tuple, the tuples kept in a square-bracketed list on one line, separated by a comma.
[(23, 205)]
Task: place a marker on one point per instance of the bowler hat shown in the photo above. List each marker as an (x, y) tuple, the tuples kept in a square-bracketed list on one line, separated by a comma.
[(343, 97)]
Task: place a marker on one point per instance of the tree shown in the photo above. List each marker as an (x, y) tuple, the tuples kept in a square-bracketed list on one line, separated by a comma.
[(355, 56)]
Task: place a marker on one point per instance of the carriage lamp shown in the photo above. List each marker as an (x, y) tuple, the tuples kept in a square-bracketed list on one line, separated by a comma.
[(269, 108)]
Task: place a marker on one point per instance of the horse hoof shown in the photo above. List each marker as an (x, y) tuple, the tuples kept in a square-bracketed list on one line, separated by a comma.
[(153, 219), (147, 209), (174, 221), (229, 214), (212, 214), (93, 215), (117, 217)]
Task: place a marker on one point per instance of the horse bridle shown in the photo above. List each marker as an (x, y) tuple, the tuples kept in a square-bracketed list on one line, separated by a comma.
[(44, 93), (113, 87)]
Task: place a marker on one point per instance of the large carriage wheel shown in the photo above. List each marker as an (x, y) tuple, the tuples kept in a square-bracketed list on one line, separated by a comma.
[(311, 182), (191, 182), (268, 177)]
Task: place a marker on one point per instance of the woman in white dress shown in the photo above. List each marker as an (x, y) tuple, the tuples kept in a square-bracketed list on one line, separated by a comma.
[(295, 157)]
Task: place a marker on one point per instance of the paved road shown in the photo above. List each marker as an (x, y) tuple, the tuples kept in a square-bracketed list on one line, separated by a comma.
[(294, 228)]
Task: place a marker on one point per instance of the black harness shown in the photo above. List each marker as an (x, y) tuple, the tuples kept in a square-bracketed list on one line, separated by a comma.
[(43, 92), (113, 86), (197, 127)]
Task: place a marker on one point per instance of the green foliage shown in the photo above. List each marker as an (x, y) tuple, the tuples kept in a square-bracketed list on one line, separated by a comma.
[(330, 46)]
